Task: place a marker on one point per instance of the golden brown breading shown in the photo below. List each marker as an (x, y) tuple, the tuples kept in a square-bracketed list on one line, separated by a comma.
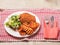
[(28, 24), (20, 29), (25, 17), (28, 30), (33, 25), (22, 33)]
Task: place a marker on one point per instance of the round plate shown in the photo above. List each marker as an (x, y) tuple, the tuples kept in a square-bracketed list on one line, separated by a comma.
[(15, 33)]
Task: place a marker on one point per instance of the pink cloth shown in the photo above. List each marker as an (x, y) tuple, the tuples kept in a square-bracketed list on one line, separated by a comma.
[(41, 13)]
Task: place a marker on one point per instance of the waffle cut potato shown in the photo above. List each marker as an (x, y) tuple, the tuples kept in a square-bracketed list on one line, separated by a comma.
[(28, 30)]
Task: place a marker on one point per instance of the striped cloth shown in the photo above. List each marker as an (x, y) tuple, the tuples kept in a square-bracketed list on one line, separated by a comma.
[(41, 13)]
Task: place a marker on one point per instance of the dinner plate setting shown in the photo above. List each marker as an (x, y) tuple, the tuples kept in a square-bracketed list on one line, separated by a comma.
[(30, 25), (16, 33)]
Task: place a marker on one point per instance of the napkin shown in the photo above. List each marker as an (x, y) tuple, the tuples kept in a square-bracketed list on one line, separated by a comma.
[(50, 32)]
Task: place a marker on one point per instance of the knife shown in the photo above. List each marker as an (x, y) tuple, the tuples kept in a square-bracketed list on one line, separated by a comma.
[(52, 21)]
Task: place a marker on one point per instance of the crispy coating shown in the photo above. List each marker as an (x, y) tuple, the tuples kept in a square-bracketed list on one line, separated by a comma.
[(33, 25), (28, 30), (20, 30), (25, 17), (22, 33), (28, 24)]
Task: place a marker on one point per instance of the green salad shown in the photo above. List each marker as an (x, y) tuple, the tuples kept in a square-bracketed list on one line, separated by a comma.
[(14, 22)]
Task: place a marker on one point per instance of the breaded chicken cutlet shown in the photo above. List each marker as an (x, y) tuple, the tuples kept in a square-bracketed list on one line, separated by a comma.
[(25, 17)]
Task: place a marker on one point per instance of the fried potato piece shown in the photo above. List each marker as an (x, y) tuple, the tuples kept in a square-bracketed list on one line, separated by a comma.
[(22, 33), (28, 25), (34, 25), (20, 30), (28, 30), (25, 17)]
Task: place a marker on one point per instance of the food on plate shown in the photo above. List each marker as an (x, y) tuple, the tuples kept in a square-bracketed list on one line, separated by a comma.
[(24, 23), (26, 17), (33, 25), (22, 33), (13, 22), (28, 30)]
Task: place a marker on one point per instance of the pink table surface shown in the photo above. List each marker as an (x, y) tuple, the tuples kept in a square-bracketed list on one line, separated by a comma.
[(41, 13)]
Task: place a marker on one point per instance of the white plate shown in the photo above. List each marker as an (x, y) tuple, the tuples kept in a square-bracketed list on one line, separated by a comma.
[(15, 33)]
